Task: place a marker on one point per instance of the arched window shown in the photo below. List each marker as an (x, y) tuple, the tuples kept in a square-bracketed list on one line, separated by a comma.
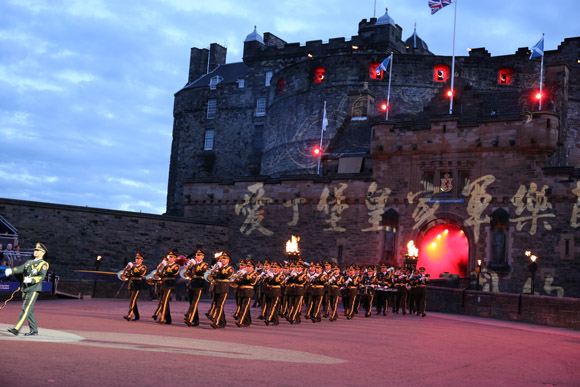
[(499, 236), (390, 224)]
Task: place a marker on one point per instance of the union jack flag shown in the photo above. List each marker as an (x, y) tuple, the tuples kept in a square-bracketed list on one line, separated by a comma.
[(436, 5)]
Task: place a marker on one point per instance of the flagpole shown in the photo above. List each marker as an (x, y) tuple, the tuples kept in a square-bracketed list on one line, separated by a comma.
[(389, 89), (541, 73), (453, 61), (321, 137)]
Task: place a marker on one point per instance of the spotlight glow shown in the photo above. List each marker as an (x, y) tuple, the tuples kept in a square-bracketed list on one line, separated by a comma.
[(444, 248)]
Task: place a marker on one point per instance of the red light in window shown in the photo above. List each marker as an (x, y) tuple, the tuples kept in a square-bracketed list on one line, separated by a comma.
[(440, 73), (505, 76), (374, 71), (319, 75)]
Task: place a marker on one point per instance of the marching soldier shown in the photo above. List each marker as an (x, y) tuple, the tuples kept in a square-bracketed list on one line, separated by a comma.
[(326, 299), (246, 283), (134, 273), (422, 291), (413, 292), (383, 282), (239, 273), (168, 274), (357, 272), (195, 271), (266, 270), (221, 274), (335, 281), (317, 284), (308, 290), (34, 271), (298, 282), (400, 281), (368, 284), (350, 292), (274, 282), (286, 289)]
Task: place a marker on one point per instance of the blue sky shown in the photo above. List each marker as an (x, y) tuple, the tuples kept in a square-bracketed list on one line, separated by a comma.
[(86, 86)]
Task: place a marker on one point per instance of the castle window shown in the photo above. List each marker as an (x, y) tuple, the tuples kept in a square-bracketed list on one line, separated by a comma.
[(208, 140), (280, 86), (319, 75), (211, 108), (241, 83), (428, 181), (441, 73), (261, 107), (214, 81), (268, 78), (505, 76), (374, 71)]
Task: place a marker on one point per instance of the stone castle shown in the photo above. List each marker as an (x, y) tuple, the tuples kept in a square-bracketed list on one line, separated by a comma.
[(474, 188), (496, 169)]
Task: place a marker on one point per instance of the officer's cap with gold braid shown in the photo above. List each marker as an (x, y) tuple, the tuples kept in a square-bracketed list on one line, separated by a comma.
[(139, 256), (172, 254), (41, 247)]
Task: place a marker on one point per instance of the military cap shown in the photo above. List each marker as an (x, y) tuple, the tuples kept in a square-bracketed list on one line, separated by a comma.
[(172, 254), (139, 256), (250, 263), (318, 265), (275, 264), (225, 255), (199, 251), (41, 247)]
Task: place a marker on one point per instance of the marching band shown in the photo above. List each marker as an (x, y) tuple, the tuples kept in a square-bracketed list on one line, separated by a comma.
[(281, 290)]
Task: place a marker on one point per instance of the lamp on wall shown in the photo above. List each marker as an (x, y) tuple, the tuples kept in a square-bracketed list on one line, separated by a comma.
[(97, 267), (532, 267)]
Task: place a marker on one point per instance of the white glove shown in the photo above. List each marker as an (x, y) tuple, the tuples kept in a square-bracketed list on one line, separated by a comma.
[(34, 272), (27, 280), (8, 272)]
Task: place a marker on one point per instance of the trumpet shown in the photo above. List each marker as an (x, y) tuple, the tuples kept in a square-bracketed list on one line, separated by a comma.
[(236, 277), (123, 274)]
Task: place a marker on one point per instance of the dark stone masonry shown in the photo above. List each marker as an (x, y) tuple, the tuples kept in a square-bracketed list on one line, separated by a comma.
[(474, 188)]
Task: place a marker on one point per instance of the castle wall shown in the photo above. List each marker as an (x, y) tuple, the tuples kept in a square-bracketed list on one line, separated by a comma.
[(75, 236)]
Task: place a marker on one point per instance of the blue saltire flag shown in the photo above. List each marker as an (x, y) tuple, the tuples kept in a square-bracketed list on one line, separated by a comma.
[(538, 49), (384, 64), (436, 5)]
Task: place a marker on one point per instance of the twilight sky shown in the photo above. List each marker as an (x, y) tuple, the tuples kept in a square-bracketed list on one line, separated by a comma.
[(86, 86)]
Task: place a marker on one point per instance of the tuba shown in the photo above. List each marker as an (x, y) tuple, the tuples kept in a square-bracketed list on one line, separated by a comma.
[(185, 271), (155, 276), (123, 275), (208, 276)]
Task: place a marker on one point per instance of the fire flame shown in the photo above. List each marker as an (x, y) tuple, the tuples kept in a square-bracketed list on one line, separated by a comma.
[(528, 253), (292, 245), (412, 250)]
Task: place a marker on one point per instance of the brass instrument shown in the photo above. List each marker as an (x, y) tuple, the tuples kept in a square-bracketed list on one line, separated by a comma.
[(210, 273), (155, 276), (185, 271), (235, 278), (123, 274)]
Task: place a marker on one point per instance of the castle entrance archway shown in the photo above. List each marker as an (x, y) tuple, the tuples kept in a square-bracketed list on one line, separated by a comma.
[(443, 248)]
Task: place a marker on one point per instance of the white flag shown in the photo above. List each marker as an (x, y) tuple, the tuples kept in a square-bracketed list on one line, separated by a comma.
[(324, 119)]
